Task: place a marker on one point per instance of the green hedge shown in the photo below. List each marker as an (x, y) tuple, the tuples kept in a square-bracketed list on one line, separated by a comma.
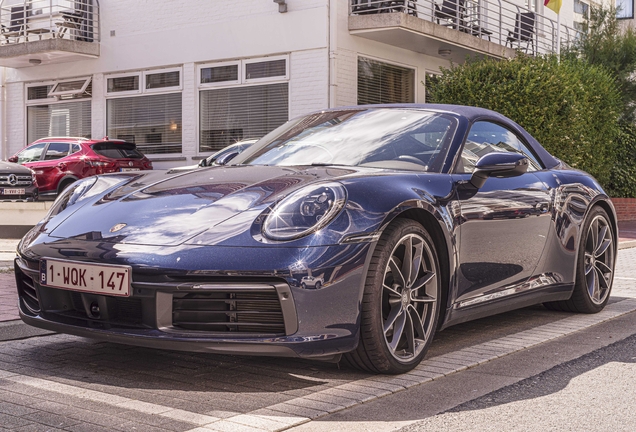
[(570, 107)]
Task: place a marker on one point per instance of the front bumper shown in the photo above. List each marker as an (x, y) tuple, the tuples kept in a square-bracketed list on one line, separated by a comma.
[(30, 194), (247, 311)]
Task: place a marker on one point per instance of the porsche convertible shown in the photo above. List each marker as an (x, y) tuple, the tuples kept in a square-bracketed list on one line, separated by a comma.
[(349, 234)]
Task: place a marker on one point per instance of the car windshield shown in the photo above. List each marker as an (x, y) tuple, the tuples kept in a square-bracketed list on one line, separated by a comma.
[(394, 138)]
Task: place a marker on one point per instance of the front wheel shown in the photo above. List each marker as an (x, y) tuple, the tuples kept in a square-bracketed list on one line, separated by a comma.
[(400, 305), (595, 266)]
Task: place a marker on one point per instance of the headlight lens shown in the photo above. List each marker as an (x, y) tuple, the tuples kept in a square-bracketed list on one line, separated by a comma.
[(305, 211)]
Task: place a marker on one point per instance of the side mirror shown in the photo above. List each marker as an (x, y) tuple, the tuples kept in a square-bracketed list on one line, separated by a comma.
[(13, 159), (498, 165), (223, 160)]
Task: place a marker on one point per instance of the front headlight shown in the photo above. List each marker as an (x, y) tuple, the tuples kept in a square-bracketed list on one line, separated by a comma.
[(305, 211)]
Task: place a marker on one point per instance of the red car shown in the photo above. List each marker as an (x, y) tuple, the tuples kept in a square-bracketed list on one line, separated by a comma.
[(58, 162)]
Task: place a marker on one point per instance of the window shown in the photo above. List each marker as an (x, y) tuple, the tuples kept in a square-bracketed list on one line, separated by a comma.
[(151, 114), (31, 154), (486, 137), (59, 119), (581, 7), (231, 114), (56, 151), (380, 83), (70, 89), (59, 109), (153, 122), (220, 74), (624, 9), (129, 83), (238, 111)]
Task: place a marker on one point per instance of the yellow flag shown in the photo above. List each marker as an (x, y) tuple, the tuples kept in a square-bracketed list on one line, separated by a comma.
[(555, 5)]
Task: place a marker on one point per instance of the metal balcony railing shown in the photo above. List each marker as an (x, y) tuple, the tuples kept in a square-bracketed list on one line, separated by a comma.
[(29, 20), (499, 21)]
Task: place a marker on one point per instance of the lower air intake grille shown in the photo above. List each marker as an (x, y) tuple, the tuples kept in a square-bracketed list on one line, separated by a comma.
[(27, 292), (256, 311)]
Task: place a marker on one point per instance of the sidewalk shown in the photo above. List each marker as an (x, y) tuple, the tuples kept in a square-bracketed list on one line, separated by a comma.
[(9, 296)]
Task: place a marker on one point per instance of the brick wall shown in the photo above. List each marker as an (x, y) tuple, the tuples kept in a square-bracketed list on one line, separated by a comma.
[(625, 208)]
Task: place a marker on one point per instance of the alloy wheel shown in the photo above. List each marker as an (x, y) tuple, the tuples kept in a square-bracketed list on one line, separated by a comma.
[(409, 298), (599, 259)]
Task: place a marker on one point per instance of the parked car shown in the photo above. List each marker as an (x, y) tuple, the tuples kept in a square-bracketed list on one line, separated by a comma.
[(17, 183), (60, 161), (221, 157), (388, 205)]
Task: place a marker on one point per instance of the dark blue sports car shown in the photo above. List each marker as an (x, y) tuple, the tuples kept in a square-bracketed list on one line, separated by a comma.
[(354, 232)]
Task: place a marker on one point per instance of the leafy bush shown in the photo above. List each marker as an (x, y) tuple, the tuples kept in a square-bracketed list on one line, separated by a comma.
[(571, 107), (622, 181)]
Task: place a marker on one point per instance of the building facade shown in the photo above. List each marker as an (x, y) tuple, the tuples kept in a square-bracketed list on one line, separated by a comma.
[(183, 78)]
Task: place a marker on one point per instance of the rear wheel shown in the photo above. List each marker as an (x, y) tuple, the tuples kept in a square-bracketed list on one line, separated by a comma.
[(595, 266), (64, 184), (400, 305)]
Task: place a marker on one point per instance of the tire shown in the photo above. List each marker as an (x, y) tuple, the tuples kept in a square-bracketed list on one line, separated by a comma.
[(64, 184), (397, 305), (303, 285), (318, 285), (595, 266)]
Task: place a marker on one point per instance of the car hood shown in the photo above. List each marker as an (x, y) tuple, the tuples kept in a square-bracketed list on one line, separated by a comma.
[(165, 209), (12, 168)]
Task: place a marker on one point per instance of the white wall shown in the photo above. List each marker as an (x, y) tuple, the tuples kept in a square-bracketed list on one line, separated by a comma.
[(163, 33)]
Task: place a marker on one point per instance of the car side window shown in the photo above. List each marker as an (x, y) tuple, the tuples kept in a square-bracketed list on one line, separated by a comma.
[(75, 148), (486, 137), (31, 153), (56, 151)]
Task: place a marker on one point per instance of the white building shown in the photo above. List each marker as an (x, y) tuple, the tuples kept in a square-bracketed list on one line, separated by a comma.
[(182, 78)]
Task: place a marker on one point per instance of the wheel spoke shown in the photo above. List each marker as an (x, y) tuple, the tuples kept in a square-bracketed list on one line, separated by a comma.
[(602, 248), (588, 263), (398, 329), (417, 262), (421, 282), (417, 322), (603, 268), (601, 279), (407, 262), (395, 312), (410, 334), (591, 283), (398, 277), (392, 292)]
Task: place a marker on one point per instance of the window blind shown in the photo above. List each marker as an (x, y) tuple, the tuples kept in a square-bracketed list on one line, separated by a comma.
[(231, 114), (63, 119), (152, 122), (380, 83)]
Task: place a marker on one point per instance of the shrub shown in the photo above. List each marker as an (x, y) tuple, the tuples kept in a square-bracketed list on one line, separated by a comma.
[(622, 181), (571, 107)]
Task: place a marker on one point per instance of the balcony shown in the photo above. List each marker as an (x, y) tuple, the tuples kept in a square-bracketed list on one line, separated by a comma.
[(455, 29), (48, 31)]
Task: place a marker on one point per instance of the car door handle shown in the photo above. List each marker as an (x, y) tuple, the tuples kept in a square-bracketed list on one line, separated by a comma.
[(61, 166)]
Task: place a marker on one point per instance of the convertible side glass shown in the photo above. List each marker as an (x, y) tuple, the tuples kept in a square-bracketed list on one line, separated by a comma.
[(407, 139), (486, 137)]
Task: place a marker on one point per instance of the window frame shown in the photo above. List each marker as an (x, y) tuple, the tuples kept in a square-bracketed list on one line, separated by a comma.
[(200, 68), (170, 89), (624, 17), (60, 94), (264, 60), (240, 83), (122, 93)]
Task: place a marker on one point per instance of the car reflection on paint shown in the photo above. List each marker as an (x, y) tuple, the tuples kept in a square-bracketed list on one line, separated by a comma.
[(349, 234)]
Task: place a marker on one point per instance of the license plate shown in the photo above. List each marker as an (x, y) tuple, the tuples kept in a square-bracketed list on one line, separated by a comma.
[(112, 280), (129, 169), (13, 191)]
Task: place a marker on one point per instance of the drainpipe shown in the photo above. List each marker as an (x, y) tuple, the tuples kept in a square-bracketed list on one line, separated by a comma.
[(3, 115), (332, 13)]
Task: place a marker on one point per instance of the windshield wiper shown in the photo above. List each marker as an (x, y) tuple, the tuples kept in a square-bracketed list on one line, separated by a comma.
[(327, 164)]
